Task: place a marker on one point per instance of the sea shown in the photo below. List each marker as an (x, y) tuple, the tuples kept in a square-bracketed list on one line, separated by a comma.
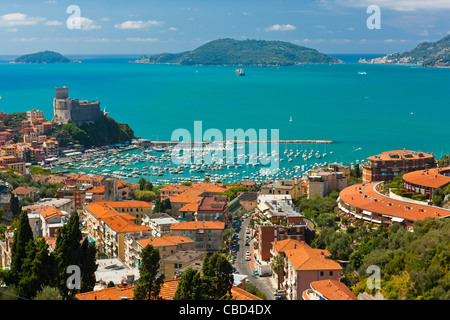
[(364, 109)]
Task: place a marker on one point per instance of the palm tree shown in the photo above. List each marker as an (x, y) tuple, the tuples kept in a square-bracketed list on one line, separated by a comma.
[(277, 266)]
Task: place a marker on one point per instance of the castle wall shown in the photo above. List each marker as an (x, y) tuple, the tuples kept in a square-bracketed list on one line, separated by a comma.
[(66, 109)]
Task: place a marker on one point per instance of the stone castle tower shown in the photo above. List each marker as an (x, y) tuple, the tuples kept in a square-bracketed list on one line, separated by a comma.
[(66, 109)]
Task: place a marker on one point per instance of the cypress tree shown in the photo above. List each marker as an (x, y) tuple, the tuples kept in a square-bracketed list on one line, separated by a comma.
[(88, 266), (22, 235), (68, 251), (149, 284), (37, 269)]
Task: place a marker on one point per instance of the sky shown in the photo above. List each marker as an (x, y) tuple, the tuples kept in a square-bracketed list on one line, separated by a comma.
[(149, 27)]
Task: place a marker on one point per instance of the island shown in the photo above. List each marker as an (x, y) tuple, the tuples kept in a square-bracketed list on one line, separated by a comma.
[(427, 54), (43, 57), (243, 52)]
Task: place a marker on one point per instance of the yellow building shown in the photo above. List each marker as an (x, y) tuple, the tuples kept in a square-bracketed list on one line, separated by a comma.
[(291, 187)]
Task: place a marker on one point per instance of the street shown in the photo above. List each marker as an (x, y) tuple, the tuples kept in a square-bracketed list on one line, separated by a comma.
[(264, 284)]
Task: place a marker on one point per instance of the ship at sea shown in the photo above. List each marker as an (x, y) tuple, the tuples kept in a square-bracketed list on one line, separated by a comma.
[(240, 72)]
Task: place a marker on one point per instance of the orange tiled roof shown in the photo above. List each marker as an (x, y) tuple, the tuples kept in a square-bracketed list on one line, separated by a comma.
[(333, 290), (304, 258), (185, 199), (364, 196), (23, 190), (49, 212), (190, 207), (164, 241), (432, 178), (168, 289), (120, 223), (195, 225), (288, 244), (101, 210), (127, 204), (401, 153)]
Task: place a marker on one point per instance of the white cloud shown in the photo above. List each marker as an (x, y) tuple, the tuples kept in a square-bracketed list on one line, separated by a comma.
[(399, 5), (138, 24), (283, 27), (143, 39), (53, 23), (25, 39), (173, 29), (13, 29), (18, 19), (85, 24)]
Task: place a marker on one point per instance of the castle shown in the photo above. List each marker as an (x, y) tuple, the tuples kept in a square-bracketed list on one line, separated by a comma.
[(66, 109)]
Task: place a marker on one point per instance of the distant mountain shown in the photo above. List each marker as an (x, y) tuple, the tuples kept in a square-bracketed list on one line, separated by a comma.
[(428, 54), (43, 57), (245, 52)]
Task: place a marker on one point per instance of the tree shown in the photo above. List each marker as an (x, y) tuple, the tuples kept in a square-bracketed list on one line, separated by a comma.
[(191, 286), (277, 265), (14, 205), (48, 293), (22, 235), (149, 283), (88, 266), (218, 273), (38, 269), (68, 251)]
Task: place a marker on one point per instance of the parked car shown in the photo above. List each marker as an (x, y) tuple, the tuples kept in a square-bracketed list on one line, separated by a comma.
[(247, 253), (247, 258), (255, 272)]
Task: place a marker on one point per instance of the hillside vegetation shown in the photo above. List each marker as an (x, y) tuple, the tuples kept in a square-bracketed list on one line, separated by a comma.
[(247, 52)]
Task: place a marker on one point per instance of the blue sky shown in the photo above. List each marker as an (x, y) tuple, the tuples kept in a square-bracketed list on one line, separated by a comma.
[(147, 26)]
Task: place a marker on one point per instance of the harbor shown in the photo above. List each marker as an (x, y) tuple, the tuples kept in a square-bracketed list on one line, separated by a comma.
[(163, 164)]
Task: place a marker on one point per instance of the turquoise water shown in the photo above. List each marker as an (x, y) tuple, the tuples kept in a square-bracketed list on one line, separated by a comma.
[(390, 107)]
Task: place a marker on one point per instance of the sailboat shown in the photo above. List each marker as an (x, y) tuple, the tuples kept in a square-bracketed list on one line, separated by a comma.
[(240, 72), (290, 119)]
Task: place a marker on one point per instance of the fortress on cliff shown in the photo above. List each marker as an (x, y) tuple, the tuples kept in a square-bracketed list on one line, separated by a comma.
[(66, 109)]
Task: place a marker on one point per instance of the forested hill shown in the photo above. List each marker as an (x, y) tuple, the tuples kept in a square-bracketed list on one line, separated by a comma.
[(245, 52), (428, 54), (43, 57)]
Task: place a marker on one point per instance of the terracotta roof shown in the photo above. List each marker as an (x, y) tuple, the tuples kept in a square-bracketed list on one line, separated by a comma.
[(23, 190), (49, 212), (164, 241), (120, 223), (127, 204), (213, 203), (311, 259), (333, 290), (184, 199), (432, 178), (195, 225), (288, 244), (167, 292), (402, 155), (364, 196), (190, 207)]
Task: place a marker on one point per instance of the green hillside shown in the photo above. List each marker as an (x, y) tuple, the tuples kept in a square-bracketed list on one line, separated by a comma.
[(246, 52)]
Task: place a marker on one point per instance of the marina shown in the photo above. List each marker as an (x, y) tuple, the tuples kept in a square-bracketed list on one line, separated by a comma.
[(214, 162)]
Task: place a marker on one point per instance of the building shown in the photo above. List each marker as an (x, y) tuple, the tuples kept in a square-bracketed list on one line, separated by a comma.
[(290, 187), (426, 181), (65, 205), (328, 290), (160, 224), (66, 109), (323, 182), (25, 192), (248, 200), (114, 190), (367, 202), (168, 289), (387, 165), (35, 115), (279, 248), (172, 265), (213, 208), (280, 220), (46, 221), (207, 235), (107, 226), (305, 265)]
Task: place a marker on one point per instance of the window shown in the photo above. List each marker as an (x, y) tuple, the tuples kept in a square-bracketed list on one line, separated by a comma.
[(164, 248), (321, 273), (331, 273)]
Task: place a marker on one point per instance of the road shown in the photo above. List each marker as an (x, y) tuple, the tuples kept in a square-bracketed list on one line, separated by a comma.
[(264, 284)]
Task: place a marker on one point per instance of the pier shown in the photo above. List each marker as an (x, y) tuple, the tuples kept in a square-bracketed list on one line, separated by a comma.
[(171, 143)]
